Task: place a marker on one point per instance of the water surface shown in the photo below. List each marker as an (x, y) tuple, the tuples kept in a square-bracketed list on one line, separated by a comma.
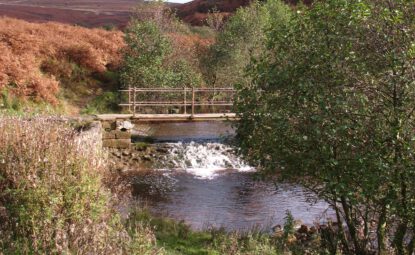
[(202, 180)]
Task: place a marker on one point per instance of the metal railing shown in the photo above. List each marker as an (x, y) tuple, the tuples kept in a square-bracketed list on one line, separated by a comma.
[(184, 101)]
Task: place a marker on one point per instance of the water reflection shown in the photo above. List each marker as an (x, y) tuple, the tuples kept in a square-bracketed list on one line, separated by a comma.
[(189, 131), (203, 182), (233, 200)]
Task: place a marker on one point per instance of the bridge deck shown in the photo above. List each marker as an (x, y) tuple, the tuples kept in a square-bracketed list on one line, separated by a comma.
[(169, 117)]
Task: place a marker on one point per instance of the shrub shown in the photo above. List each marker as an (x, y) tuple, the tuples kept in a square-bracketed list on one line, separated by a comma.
[(52, 200)]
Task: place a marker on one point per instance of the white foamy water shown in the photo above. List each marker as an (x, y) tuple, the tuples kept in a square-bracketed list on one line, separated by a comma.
[(204, 160)]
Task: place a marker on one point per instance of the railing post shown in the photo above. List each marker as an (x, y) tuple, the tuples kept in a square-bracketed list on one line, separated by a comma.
[(134, 99), (193, 101), (129, 99), (185, 101)]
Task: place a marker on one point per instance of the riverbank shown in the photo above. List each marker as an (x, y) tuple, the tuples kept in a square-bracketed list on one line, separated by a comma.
[(59, 195), (178, 238)]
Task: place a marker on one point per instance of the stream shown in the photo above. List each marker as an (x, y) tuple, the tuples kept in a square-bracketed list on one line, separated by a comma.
[(201, 180)]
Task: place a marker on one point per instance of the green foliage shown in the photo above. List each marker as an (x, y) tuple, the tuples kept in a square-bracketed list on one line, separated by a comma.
[(147, 60), (9, 102), (241, 38), (178, 238), (203, 31), (104, 103), (331, 105), (143, 62), (288, 224), (141, 146)]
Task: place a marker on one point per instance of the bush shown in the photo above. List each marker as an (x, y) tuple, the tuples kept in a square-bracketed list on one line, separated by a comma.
[(52, 200)]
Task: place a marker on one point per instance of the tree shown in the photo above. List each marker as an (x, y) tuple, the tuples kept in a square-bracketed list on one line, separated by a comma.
[(331, 105), (242, 37), (144, 58), (148, 62)]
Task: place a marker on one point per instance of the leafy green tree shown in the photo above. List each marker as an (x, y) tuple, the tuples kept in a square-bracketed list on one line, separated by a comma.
[(331, 105), (242, 37), (144, 59), (149, 60)]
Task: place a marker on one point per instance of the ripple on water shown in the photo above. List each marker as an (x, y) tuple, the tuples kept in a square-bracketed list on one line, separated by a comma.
[(210, 195)]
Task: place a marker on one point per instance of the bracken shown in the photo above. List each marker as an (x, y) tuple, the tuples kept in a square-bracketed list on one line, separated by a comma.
[(25, 47)]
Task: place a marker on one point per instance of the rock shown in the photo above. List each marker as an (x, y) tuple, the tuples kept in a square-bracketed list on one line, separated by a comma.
[(162, 150), (297, 224), (119, 166), (108, 135), (107, 125), (124, 125), (278, 231), (146, 157), (303, 229), (116, 143), (276, 228), (312, 230), (117, 153), (291, 239), (122, 134), (126, 153), (123, 170)]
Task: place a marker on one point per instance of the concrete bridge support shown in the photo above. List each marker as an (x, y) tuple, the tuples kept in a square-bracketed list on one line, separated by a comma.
[(116, 134)]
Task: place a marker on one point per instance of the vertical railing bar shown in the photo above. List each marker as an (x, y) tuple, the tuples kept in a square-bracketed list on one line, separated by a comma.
[(129, 98), (134, 99), (185, 103), (193, 102)]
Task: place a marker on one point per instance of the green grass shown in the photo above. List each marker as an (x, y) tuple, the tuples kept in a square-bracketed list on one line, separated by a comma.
[(178, 238), (175, 237), (104, 103)]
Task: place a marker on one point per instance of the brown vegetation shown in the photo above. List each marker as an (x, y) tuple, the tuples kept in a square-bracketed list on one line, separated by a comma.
[(88, 13), (85, 18), (36, 56), (196, 12)]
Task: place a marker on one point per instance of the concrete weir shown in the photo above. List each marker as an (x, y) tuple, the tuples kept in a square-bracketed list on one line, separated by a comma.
[(117, 127)]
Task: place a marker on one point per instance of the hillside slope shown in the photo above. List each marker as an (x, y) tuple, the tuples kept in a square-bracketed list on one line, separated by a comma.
[(196, 12), (39, 62), (87, 13)]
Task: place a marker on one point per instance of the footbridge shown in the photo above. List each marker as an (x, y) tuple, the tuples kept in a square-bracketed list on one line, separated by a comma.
[(143, 106), (175, 104)]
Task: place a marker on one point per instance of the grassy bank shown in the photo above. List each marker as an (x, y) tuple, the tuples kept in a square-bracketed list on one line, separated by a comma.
[(178, 238)]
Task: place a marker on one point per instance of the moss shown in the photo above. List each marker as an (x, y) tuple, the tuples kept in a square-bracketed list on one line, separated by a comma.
[(141, 146)]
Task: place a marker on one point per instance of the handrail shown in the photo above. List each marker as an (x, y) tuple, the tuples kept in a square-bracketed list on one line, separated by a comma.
[(133, 92)]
